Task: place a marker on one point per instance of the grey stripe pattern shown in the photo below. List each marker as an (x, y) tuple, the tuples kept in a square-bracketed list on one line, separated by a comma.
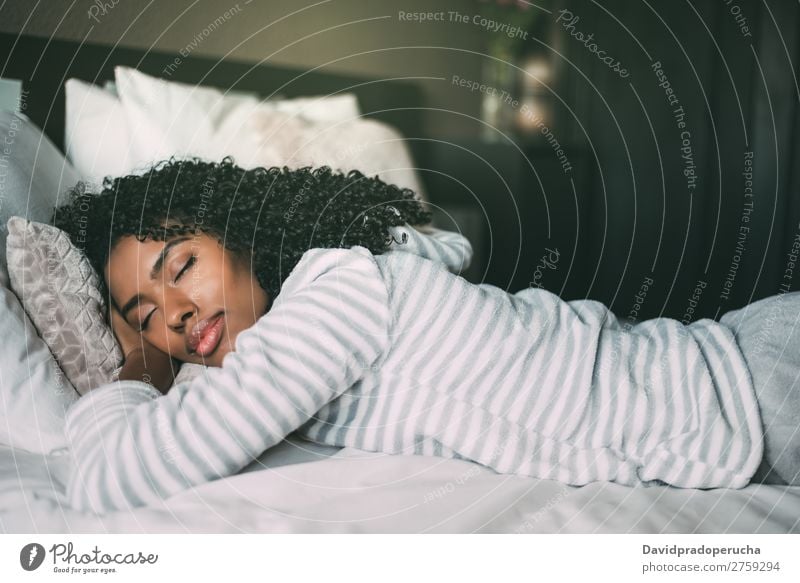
[(396, 353), (132, 447)]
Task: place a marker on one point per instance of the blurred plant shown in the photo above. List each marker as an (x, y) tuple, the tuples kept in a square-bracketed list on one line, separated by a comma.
[(510, 45), (514, 13)]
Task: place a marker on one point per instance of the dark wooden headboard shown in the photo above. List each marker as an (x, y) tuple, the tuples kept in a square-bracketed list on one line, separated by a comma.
[(43, 65)]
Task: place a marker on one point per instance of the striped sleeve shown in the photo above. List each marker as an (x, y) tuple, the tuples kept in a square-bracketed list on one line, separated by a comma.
[(448, 247), (133, 447)]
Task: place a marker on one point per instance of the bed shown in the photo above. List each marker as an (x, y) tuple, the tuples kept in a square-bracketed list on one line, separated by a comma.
[(304, 487), (301, 487)]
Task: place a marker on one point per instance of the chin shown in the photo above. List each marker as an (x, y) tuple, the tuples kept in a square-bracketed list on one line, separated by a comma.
[(214, 359), (217, 357)]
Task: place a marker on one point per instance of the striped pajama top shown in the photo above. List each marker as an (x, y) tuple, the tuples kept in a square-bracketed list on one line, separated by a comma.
[(397, 354)]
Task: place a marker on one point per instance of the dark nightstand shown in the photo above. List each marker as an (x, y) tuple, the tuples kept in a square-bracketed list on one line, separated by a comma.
[(523, 208)]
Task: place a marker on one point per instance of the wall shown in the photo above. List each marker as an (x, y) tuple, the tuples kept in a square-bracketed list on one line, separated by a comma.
[(346, 36), (695, 196), (655, 215)]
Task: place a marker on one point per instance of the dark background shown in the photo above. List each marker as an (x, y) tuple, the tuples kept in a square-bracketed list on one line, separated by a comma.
[(633, 216), (622, 217), (740, 94)]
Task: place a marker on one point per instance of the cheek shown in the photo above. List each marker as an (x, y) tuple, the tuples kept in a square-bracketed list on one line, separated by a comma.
[(209, 291), (208, 285), (242, 287), (166, 342)]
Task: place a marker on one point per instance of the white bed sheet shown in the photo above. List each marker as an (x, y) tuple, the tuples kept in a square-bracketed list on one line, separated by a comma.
[(303, 487)]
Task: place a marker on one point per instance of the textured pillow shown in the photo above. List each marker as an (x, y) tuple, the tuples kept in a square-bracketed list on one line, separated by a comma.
[(34, 394), (59, 290)]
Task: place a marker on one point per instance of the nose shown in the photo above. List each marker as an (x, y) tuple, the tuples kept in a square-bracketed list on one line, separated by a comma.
[(178, 313)]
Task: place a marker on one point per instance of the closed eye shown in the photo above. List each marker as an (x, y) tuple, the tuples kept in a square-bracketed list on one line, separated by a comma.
[(191, 261), (188, 264), (143, 327)]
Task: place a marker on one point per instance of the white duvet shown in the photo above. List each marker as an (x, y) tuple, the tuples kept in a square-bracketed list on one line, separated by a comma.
[(303, 487)]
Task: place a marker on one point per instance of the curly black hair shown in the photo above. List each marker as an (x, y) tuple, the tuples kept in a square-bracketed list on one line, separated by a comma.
[(269, 215)]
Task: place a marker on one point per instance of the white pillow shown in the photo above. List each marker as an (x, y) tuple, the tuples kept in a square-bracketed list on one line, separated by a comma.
[(99, 142), (373, 147), (325, 108), (168, 118), (132, 85), (34, 393), (96, 134), (33, 173)]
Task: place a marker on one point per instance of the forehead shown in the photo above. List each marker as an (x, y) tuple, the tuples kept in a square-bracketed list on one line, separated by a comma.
[(130, 262), (129, 253), (129, 246), (130, 257)]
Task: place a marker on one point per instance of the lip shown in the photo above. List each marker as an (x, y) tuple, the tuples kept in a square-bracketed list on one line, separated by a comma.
[(205, 336)]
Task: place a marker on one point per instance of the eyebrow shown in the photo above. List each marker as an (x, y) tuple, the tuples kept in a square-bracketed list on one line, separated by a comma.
[(154, 272)]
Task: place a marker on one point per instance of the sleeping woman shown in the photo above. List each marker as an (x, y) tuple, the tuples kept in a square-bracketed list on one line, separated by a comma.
[(324, 304)]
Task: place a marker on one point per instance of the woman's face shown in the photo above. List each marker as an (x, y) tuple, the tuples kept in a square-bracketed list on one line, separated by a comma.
[(189, 296)]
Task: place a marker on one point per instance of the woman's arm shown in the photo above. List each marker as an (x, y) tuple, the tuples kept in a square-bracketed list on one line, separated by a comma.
[(132, 446), (448, 247)]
